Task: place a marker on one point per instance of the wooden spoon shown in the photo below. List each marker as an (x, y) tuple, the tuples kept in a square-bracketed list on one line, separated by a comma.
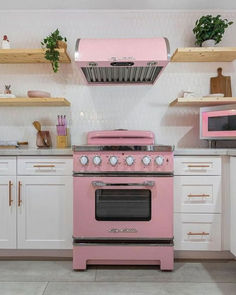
[(37, 126)]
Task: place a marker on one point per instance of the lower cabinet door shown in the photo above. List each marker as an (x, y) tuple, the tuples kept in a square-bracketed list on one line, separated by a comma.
[(197, 194), (197, 231), (233, 205), (7, 212), (44, 213)]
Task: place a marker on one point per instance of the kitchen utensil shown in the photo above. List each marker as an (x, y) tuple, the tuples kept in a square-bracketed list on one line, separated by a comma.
[(221, 84), (11, 144), (61, 130), (37, 126), (38, 93)]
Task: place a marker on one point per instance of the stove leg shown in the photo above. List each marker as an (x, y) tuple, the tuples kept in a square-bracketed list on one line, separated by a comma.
[(167, 264), (79, 263)]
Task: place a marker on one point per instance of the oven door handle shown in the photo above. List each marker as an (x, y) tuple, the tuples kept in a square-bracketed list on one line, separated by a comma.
[(101, 184)]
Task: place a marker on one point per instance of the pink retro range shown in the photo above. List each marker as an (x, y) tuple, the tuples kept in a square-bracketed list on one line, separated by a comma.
[(123, 200)]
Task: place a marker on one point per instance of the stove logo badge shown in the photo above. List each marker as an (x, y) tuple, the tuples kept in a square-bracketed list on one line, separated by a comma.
[(123, 230)]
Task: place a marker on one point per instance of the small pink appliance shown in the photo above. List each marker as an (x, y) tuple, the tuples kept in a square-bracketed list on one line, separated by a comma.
[(122, 61), (123, 200), (218, 123)]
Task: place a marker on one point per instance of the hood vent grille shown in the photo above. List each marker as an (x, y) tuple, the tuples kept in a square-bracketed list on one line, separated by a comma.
[(109, 75)]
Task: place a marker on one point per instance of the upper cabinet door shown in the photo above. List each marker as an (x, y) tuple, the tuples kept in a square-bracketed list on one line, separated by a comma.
[(7, 212), (44, 212), (233, 205)]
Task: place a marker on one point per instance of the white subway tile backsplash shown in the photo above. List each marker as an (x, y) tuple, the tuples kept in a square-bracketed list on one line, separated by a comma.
[(108, 107)]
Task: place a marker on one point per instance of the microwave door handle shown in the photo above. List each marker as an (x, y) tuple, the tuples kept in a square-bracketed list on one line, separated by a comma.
[(102, 184)]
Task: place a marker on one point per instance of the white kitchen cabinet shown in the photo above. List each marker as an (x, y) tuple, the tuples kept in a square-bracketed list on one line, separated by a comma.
[(233, 205), (197, 231), (45, 213), (197, 203), (45, 165), (7, 212), (197, 165), (197, 194)]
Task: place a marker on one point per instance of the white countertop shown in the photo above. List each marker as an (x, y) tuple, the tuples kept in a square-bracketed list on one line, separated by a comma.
[(203, 152), (36, 152), (69, 152)]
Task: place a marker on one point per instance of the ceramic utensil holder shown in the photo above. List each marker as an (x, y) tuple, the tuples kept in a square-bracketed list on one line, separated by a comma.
[(43, 140)]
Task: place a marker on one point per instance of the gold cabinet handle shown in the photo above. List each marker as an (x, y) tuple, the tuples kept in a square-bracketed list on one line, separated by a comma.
[(9, 190), (44, 166), (199, 196), (198, 234), (198, 166), (19, 199)]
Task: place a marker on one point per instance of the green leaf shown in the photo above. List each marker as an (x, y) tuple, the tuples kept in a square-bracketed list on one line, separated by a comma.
[(51, 54)]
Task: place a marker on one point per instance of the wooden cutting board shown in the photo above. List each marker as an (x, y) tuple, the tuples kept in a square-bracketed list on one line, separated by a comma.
[(221, 84)]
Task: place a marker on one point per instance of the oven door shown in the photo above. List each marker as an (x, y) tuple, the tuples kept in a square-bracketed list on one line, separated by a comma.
[(123, 207)]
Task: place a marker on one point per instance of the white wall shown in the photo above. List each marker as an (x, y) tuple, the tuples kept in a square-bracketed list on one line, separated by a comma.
[(108, 107)]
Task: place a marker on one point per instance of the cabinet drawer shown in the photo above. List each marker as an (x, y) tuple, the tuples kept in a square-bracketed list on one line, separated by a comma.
[(197, 194), (7, 165), (44, 166), (197, 165), (197, 231)]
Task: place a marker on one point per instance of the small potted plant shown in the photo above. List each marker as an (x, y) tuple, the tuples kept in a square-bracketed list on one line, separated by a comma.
[(209, 30), (51, 43)]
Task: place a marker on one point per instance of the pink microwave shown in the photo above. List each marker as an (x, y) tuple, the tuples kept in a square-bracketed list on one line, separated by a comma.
[(218, 123)]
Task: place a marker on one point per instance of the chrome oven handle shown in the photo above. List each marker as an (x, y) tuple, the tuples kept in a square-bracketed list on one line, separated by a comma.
[(101, 184)]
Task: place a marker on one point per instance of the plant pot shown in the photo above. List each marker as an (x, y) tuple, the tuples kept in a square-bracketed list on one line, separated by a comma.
[(61, 44), (209, 43)]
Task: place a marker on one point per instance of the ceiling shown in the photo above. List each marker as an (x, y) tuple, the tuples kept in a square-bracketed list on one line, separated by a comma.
[(119, 4)]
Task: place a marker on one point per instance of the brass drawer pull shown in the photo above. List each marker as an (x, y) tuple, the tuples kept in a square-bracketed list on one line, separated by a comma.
[(198, 166), (44, 166), (19, 199), (198, 234), (9, 187), (199, 196)]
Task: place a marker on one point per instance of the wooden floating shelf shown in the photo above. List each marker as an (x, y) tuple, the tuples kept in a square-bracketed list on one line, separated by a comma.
[(203, 101), (204, 54), (34, 102), (21, 56)]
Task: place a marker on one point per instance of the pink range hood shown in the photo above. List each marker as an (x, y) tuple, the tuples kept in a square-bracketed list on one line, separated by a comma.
[(122, 61)]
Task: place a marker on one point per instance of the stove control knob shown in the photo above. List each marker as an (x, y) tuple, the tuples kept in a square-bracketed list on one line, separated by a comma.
[(97, 160), (84, 160), (113, 160), (159, 160), (146, 160), (129, 160)]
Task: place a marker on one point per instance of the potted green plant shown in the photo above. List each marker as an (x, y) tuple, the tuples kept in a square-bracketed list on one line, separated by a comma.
[(51, 43), (209, 30)]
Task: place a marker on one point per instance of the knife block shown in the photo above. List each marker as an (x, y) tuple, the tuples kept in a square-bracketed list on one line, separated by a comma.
[(62, 141)]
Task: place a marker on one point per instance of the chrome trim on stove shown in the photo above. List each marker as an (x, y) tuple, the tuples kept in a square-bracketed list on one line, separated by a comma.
[(123, 173), (146, 148), (126, 244), (82, 239), (122, 230), (102, 184)]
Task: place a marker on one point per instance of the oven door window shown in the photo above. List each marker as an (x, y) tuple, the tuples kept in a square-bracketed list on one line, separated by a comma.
[(123, 204)]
